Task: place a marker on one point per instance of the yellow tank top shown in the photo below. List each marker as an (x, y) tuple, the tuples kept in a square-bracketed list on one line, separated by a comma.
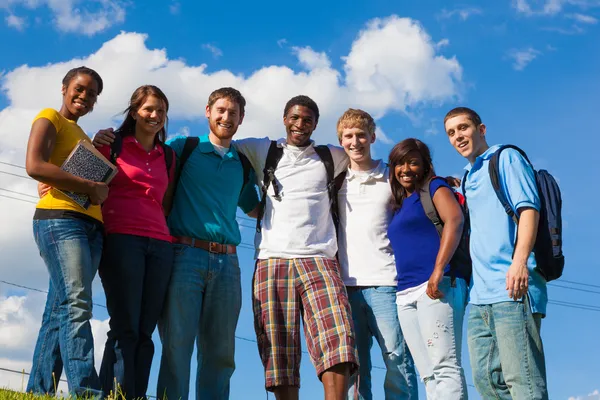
[(68, 134)]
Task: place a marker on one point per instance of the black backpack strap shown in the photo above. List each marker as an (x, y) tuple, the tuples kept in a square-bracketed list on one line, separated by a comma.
[(325, 155), (429, 207), (190, 144), (168, 153), (246, 167), (273, 157), (339, 180), (494, 171), (115, 147)]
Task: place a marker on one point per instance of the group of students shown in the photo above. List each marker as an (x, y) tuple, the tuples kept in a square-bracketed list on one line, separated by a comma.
[(344, 242)]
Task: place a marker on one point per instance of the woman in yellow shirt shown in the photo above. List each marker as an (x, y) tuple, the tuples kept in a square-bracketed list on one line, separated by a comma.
[(69, 238)]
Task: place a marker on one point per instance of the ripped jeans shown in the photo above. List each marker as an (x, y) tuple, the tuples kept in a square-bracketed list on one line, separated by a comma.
[(433, 331)]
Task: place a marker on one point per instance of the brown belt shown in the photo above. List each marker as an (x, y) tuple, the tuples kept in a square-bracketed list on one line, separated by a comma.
[(211, 247)]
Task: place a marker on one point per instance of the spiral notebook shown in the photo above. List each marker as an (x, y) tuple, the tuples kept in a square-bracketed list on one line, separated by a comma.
[(87, 162)]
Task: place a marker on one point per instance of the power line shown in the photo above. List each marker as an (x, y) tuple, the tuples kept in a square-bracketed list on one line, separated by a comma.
[(19, 193), (22, 372), (38, 290), (248, 246), (12, 165), (15, 198), (572, 288), (18, 176), (574, 305)]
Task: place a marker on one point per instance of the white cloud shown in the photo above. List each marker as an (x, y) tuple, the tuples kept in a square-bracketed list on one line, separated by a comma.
[(551, 7), (216, 52), (392, 65), (310, 59), (582, 18), (442, 43), (595, 395), (521, 58), (16, 22), (462, 13), (175, 7), (71, 16), (281, 42)]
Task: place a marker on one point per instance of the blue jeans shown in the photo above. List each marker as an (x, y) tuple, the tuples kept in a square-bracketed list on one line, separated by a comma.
[(506, 352), (375, 315), (433, 332), (135, 274), (71, 250), (203, 304)]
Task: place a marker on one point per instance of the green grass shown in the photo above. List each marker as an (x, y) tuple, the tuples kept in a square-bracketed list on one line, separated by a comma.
[(12, 395)]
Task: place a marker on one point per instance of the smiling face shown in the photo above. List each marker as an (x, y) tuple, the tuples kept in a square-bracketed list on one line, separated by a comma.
[(357, 144), (410, 170), (466, 137), (224, 117), (150, 117), (300, 122), (79, 96)]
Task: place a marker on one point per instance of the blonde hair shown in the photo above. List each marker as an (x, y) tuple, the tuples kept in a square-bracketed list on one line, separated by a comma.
[(355, 118)]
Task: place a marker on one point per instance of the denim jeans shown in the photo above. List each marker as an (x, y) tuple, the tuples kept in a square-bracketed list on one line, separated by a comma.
[(71, 250), (506, 352), (135, 274), (203, 304), (375, 315), (433, 332)]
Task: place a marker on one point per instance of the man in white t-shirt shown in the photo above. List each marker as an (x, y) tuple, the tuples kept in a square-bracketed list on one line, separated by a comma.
[(367, 262), (297, 274)]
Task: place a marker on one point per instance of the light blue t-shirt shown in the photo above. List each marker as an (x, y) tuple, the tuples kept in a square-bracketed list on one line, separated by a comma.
[(493, 232), (208, 194)]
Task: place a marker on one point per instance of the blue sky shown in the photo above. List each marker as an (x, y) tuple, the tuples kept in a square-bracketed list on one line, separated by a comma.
[(528, 67)]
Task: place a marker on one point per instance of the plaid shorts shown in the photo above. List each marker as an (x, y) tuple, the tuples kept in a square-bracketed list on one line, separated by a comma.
[(283, 289)]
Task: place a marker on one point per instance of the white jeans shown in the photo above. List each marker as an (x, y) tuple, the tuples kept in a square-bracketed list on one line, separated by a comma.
[(433, 332)]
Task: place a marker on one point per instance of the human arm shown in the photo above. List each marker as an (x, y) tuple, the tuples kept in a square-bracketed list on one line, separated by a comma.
[(517, 277), (453, 219), (518, 183), (104, 137), (42, 140)]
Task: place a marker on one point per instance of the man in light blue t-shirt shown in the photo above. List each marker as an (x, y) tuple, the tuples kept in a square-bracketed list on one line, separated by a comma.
[(508, 297)]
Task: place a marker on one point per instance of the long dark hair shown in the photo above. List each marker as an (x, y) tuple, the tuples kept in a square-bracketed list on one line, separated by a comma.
[(397, 156), (138, 98)]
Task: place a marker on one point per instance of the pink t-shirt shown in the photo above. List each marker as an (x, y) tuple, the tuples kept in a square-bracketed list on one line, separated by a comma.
[(134, 203)]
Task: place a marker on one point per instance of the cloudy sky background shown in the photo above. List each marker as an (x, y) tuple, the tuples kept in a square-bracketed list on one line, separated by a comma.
[(528, 67)]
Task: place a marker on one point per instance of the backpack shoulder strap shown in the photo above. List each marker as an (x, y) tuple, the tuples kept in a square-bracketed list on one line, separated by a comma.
[(115, 147), (339, 180), (494, 171), (429, 207), (325, 155), (168, 153), (246, 167), (190, 144), (273, 157)]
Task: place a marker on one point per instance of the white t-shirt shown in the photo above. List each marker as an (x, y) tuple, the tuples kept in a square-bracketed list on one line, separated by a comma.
[(221, 149), (300, 224), (365, 253)]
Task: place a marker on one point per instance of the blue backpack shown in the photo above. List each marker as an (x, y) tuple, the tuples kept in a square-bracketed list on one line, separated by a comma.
[(548, 244)]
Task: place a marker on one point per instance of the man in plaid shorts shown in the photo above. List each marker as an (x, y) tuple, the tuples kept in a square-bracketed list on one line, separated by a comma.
[(297, 274)]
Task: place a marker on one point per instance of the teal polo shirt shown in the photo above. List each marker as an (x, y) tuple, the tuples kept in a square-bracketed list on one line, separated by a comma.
[(493, 232), (208, 194)]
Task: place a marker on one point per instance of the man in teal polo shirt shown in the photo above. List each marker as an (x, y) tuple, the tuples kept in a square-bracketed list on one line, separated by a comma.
[(204, 298), (508, 297)]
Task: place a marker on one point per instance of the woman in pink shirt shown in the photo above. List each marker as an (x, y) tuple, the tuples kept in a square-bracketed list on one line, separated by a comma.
[(137, 255)]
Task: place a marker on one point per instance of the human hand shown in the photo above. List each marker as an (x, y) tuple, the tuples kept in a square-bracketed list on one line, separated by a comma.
[(104, 137), (98, 193), (433, 285), (43, 189), (517, 280)]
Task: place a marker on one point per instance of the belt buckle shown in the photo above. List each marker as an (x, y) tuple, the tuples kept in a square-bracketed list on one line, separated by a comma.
[(213, 247)]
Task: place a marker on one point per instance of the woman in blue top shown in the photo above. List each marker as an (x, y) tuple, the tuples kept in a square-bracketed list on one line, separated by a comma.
[(430, 308)]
